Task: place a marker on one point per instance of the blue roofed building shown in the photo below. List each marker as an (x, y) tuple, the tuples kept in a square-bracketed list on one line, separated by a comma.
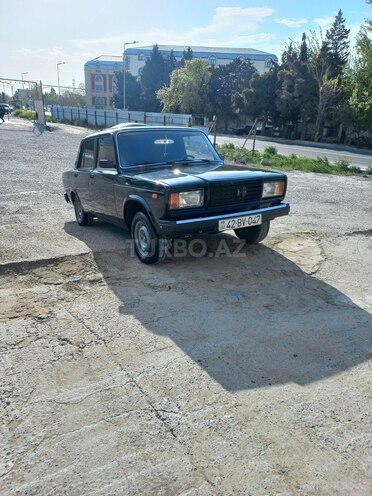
[(100, 72)]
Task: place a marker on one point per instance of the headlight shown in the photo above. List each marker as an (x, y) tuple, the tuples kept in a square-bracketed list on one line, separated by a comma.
[(273, 188), (186, 199)]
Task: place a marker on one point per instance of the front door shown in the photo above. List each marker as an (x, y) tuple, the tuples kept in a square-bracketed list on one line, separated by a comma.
[(103, 177)]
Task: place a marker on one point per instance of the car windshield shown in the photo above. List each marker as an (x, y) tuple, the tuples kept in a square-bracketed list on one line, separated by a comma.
[(164, 146)]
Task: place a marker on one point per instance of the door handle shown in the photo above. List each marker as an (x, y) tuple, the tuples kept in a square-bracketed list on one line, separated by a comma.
[(92, 175), (75, 174)]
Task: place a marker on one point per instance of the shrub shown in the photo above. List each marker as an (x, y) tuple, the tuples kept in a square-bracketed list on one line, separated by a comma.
[(343, 165), (24, 114), (270, 150)]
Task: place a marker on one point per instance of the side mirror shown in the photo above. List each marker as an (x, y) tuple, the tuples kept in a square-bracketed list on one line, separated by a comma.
[(222, 156), (106, 164)]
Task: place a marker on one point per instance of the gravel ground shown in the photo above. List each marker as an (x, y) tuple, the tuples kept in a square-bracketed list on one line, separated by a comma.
[(214, 375)]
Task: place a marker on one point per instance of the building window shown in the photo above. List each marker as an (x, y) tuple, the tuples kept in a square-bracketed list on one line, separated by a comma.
[(141, 57), (212, 60), (100, 102), (268, 62), (99, 83), (127, 63)]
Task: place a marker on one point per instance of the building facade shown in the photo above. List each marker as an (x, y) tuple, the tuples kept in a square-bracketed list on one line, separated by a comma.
[(100, 72), (100, 80)]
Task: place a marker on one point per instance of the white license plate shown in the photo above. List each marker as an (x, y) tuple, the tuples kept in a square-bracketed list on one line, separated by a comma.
[(240, 222)]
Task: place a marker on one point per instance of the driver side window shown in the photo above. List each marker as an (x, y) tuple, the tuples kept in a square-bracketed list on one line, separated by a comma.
[(106, 152)]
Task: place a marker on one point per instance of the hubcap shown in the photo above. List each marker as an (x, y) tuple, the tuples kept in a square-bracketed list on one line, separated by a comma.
[(142, 238)]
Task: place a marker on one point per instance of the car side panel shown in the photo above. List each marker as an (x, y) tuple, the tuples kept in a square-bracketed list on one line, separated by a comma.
[(101, 191)]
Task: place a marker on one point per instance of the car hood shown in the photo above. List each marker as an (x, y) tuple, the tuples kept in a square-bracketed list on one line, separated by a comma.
[(199, 174)]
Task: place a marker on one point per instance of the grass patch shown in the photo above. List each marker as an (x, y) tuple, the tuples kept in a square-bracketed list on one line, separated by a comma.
[(30, 115), (24, 114), (270, 158)]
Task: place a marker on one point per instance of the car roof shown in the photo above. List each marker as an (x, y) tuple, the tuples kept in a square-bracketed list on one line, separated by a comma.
[(136, 126)]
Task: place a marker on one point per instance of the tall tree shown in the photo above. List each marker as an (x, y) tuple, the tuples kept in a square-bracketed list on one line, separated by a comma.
[(287, 104), (328, 69), (171, 65), (188, 89), (258, 100), (337, 46), (132, 91), (361, 88), (226, 81), (154, 76)]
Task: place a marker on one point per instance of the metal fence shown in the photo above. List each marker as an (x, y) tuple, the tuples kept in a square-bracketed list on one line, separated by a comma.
[(108, 118)]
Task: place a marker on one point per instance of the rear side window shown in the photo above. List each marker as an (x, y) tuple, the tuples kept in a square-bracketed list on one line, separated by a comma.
[(87, 155), (106, 151)]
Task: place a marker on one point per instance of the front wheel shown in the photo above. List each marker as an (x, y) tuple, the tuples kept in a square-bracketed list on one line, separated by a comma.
[(83, 218), (255, 234), (149, 248)]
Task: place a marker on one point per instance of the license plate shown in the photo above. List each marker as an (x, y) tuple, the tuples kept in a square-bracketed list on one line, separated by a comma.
[(240, 222)]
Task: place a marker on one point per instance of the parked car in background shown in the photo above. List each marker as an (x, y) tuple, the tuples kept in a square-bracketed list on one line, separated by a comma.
[(7, 108), (242, 131), (163, 182)]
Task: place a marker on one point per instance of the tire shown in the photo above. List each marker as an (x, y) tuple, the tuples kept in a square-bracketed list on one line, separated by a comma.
[(253, 235), (149, 248), (82, 218)]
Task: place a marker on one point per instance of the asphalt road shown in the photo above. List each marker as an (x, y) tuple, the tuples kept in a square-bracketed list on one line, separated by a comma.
[(357, 158), (233, 374)]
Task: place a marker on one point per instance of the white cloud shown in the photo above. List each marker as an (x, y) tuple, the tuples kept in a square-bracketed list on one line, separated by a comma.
[(324, 22), (233, 18), (253, 39), (43, 53), (291, 23), (236, 24)]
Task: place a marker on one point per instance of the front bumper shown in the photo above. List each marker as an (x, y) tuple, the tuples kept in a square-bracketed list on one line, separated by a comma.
[(184, 227)]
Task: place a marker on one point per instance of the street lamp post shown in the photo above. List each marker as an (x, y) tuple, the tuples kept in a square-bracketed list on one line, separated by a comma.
[(124, 67), (23, 74), (59, 87)]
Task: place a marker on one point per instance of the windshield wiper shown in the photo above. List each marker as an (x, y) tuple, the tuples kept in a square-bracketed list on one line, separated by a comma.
[(193, 161), (149, 163)]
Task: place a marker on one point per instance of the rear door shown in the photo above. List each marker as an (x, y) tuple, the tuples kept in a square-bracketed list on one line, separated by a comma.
[(85, 165)]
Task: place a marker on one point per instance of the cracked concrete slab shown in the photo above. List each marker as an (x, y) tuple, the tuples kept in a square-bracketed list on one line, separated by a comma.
[(215, 375)]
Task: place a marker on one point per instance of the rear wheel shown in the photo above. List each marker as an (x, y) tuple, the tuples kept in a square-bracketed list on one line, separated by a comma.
[(83, 218), (255, 234), (149, 248)]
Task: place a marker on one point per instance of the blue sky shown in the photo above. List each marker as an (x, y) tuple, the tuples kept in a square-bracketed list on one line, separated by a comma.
[(36, 35)]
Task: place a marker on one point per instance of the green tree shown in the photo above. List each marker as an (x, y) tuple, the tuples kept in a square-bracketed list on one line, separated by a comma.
[(227, 81), (361, 82), (259, 99), (155, 75), (287, 104), (187, 55), (72, 99), (171, 64), (328, 62), (297, 94), (337, 46), (132, 91), (188, 89), (51, 98)]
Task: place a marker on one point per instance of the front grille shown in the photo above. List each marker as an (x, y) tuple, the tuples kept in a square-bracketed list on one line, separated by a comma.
[(226, 194)]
